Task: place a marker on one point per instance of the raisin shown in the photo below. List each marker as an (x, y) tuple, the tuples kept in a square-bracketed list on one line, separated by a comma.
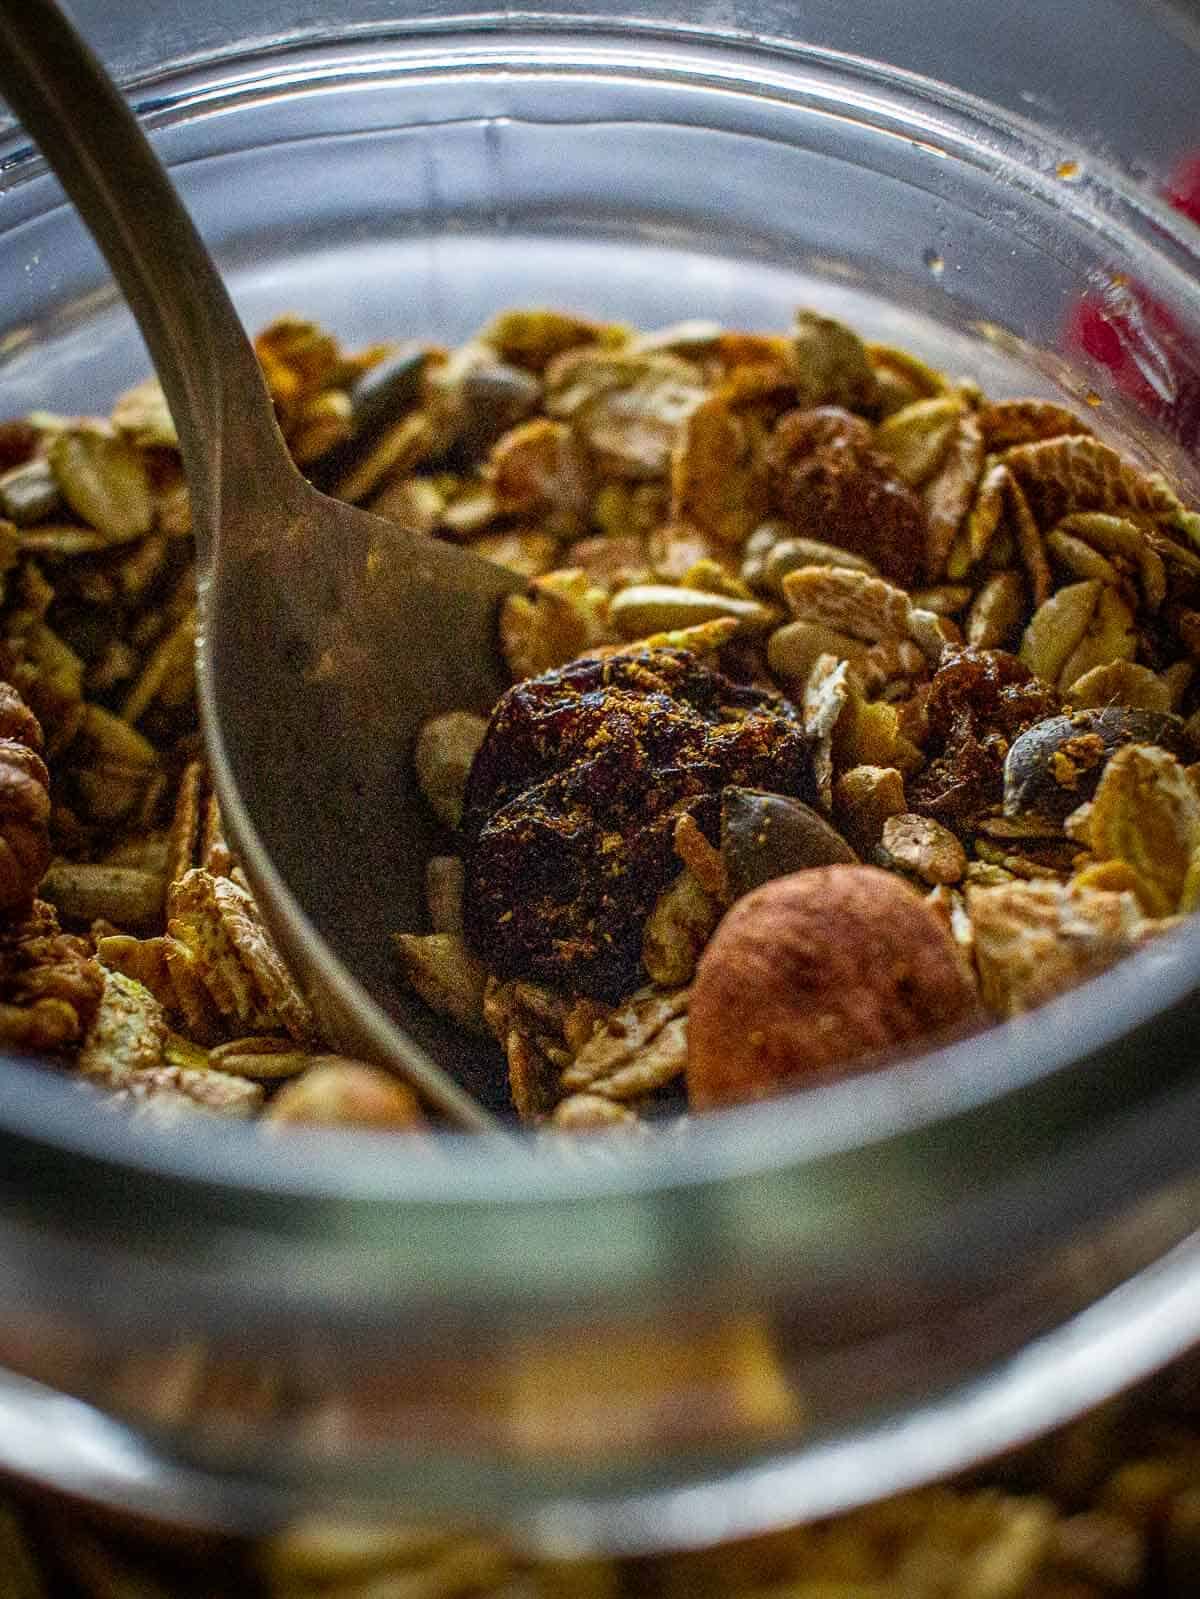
[(978, 702), (828, 482), (18, 441)]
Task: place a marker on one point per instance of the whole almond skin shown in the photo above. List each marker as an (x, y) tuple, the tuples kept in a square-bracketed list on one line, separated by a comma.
[(812, 973)]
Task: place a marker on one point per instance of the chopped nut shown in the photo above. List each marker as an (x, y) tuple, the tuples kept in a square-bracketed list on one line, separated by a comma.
[(718, 480), (263, 1058), (764, 836), (917, 437), (830, 363), (445, 748), (50, 988), (103, 479), (863, 799), (334, 1092), (996, 612), (793, 650), (123, 895), (559, 618), (1120, 683), (450, 980), (920, 845), (444, 893), (644, 609), (638, 1047), (676, 931), (1058, 628), (629, 409)]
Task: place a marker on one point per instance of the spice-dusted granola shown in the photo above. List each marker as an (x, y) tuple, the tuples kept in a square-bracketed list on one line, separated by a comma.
[(796, 603)]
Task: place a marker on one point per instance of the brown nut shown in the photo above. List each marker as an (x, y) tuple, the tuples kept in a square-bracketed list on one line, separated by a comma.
[(810, 974), (334, 1092)]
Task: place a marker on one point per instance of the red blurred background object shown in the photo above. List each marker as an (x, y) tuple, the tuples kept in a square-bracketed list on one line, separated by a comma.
[(1129, 333)]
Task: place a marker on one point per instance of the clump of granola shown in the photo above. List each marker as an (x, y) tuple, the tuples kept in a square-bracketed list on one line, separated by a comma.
[(575, 796), (986, 619), (793, 599)]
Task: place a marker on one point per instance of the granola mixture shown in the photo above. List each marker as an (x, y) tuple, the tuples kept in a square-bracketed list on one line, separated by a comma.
[(1109, 1508), (807, 624), (796, 604)]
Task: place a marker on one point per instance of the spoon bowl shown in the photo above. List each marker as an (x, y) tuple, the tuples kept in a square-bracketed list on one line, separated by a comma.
[(327, 635)]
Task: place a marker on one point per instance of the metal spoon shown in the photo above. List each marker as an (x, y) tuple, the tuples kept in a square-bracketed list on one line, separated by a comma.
[(328, 635)]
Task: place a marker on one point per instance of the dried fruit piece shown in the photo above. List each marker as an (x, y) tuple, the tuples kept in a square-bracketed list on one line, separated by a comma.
[(829, 484), (575, 795), (977, 703), (811, 975), (1055, 765)]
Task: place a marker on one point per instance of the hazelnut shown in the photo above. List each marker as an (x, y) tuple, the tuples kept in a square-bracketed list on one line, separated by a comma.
[(812, 972), (335, 1092)]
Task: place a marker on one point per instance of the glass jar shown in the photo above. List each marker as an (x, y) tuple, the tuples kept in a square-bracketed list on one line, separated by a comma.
[(790, 1309)]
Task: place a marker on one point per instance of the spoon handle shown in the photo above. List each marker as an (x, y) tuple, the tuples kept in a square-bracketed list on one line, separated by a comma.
[(71, 108)]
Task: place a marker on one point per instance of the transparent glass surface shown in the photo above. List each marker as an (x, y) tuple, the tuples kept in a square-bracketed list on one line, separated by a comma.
[(784, 1310)]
